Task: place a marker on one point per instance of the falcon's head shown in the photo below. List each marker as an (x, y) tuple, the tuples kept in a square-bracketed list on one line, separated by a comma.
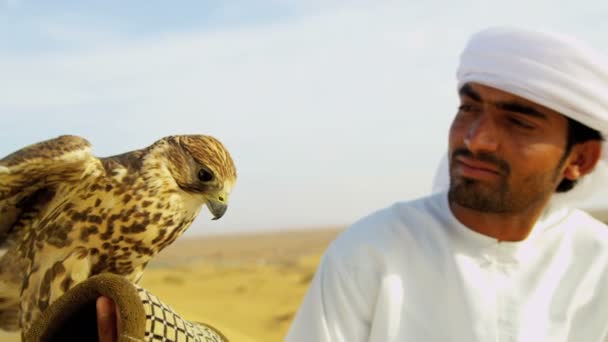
[(202, 166)]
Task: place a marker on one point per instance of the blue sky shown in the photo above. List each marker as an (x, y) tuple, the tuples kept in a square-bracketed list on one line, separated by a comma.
[(331, 109)]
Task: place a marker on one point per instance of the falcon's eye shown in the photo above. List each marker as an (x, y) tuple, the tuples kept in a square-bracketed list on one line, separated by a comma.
[(205, 175)]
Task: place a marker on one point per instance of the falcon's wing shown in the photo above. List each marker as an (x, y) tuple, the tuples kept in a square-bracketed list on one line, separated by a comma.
[(28, 176)]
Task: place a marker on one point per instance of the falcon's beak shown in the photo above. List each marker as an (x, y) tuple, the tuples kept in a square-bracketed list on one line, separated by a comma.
[(217, 206)]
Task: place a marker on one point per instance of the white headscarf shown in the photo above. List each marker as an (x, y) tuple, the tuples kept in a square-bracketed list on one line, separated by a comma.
[(553, 70)]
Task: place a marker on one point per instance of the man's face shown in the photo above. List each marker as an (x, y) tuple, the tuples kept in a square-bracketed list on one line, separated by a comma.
[(506, 153)]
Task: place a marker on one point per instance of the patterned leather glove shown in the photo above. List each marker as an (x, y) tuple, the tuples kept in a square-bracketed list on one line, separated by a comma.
[(144, 317)]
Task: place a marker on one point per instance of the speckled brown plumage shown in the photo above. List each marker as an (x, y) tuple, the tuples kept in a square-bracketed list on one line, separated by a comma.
[(66, 215)]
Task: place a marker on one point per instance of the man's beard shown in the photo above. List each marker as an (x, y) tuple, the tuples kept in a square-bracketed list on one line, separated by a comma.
[(498, 197)]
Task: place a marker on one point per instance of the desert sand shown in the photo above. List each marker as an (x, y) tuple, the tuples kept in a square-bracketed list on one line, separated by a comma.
[(249, 286)]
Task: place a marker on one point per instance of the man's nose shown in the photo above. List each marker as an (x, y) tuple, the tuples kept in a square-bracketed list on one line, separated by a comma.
[(482, 134)]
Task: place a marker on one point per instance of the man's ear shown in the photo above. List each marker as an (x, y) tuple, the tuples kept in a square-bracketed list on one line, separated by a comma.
[(583, 158)]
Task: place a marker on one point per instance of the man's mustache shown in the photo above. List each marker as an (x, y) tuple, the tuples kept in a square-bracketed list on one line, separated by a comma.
[(502, 165)]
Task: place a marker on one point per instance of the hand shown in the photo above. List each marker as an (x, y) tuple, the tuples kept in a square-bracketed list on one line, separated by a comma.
[(108, 320)]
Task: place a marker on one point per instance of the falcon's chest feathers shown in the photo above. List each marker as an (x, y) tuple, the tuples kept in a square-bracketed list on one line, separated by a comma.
[(123, 218), (110, 215)]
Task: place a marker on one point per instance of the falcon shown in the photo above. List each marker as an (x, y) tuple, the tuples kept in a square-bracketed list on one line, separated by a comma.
[(66, 215)]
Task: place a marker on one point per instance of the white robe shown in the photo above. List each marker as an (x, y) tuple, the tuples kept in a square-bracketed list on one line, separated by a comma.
[(412, 272)]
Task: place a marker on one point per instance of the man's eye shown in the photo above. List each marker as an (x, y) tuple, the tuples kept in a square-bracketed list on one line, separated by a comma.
[(520, 123)]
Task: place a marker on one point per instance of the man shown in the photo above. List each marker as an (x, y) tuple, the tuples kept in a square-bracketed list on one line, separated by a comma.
[(495, 258)]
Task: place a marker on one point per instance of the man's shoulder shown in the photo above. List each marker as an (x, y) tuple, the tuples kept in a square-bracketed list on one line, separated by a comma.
[(587, 227), (397, 224), (585, 235)]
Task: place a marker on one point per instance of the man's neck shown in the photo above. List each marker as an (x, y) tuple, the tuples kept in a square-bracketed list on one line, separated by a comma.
[(501, 226)]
